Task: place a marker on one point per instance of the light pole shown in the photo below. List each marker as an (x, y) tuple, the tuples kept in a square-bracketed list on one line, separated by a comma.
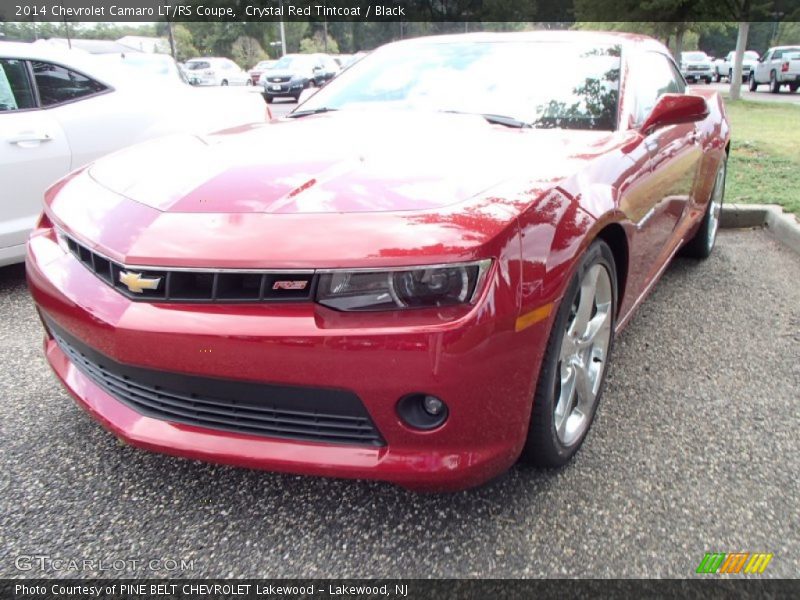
[(283, 30)]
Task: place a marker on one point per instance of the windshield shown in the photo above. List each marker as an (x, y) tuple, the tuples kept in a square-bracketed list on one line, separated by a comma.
[(751, 55), (196, 65), (694, 56), (293, 62), (264, 65), (542, 84)]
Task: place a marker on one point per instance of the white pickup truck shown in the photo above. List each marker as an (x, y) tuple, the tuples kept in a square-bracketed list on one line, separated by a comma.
[(778, 67), (723, 67)]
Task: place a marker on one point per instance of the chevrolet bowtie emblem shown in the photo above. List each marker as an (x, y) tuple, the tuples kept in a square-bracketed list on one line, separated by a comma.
[(136, 283)]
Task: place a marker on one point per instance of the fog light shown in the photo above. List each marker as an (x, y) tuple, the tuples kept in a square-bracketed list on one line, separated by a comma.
[(422, 411), (432, 405)]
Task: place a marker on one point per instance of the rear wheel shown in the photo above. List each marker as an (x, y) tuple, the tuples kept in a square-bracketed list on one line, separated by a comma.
[(269, 98), (224, 82), (774, 86), (574, 365), (753, 85), (701, 245), (793, 87)]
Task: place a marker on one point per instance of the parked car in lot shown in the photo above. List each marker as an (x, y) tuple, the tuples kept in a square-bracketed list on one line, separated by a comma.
[(696, 66), (450, 246), (61, 109), (295, 72), (215, 71), (779, 67), (723, 67), (257, 71)]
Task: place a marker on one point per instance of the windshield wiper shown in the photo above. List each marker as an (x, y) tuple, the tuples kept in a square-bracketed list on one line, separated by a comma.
[(312, 111), (496, 119)]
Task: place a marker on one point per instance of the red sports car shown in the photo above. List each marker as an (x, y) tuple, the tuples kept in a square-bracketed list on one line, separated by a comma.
[(415, 277)]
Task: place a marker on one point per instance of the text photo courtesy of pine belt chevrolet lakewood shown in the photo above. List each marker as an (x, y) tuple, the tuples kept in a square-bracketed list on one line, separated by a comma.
[(417, 276)]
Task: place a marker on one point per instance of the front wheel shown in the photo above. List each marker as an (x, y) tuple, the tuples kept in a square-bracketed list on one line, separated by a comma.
[(753, 85), (793, 87), (224, 82), (701, 245), (575, 361)]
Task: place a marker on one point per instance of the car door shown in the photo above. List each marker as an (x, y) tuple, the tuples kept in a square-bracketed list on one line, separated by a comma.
[(762, 68), (674, 154), (95, 118), (34, 153)]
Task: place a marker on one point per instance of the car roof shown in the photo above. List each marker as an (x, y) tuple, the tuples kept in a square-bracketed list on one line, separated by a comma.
[(77, 59), (109, 69), (627, 40)]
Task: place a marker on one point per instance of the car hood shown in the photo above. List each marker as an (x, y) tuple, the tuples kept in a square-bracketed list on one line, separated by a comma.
[(342, 162)]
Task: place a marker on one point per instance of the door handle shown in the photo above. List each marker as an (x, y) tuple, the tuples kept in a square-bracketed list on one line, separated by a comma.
[(28, 138)]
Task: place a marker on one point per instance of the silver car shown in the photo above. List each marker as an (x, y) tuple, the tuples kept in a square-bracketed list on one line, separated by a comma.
[(696, 66)]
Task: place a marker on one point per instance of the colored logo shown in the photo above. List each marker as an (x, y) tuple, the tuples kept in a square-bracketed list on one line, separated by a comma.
[(289, 285), (136, 283), (736, 562)]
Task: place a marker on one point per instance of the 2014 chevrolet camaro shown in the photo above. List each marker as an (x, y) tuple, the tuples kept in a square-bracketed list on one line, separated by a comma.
[(416, 277)]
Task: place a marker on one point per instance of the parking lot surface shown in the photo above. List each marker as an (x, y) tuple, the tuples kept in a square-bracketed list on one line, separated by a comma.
[(762, 94), (695, 449)]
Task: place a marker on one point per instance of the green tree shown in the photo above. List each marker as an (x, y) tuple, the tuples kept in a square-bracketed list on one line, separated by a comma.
[(246, 51), (316, 43)]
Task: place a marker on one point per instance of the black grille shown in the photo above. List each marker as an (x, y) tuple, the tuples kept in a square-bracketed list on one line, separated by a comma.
[(282, 79), (296, 413), (167, 285)]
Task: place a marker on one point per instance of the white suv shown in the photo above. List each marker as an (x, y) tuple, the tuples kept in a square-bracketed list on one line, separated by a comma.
[(215, 71)]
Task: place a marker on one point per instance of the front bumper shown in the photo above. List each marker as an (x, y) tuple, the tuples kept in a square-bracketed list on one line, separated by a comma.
[(698, 73), (284, 89), (477, 363)]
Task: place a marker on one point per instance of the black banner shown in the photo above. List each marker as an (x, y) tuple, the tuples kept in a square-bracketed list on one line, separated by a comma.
[(395, 589), (399, 10)]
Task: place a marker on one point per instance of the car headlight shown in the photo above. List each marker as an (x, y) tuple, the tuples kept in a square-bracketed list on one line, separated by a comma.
[(402, 288)]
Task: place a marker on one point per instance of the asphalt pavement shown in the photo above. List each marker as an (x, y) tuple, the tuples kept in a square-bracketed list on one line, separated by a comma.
[(762, 94), (695, 449)]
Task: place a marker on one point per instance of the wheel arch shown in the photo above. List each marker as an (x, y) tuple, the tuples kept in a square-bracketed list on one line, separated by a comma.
[(613, 234)]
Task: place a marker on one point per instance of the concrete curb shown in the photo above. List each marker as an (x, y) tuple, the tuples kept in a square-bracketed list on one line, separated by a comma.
[(783, 226)]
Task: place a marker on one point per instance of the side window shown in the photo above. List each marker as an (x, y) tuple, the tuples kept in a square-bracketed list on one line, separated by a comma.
[(655, 75), (58, 85), (16, 92), (777, 54)]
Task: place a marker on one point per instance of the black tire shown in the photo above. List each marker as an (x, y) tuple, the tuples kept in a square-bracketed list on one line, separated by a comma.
[(296, 99), (224, 82), (699, 246), (774, 86), (269, 99), (753, 85), (793, 87), (543, 448), (717, 77)]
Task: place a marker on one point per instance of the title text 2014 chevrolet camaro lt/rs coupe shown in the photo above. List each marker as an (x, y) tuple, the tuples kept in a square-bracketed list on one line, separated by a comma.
[(417, 276)]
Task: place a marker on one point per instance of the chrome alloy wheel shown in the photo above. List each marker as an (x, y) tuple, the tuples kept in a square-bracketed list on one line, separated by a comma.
[(715, 206), (584, 350)]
